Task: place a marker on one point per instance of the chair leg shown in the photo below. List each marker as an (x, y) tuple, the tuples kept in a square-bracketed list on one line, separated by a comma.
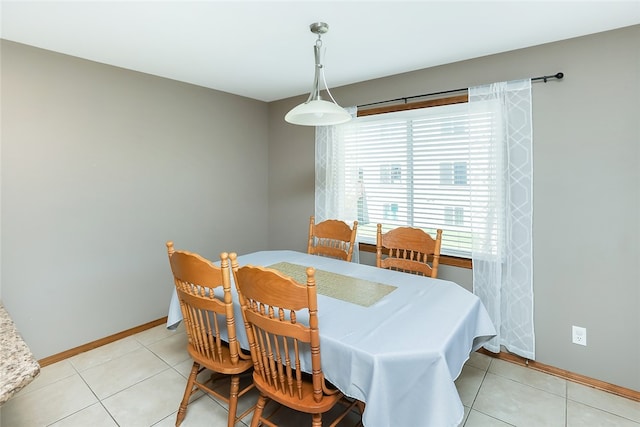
[(257, 413), (182, 411), (316, 420), (233, 399)]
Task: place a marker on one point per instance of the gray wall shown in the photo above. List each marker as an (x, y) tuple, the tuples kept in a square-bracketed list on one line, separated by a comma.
[(586, 189), (100, 166)]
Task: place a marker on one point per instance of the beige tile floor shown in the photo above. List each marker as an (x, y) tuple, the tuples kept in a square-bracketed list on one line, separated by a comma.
[(139, 381)]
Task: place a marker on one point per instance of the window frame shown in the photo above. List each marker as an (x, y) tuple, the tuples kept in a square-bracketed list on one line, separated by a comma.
[(461, 262)]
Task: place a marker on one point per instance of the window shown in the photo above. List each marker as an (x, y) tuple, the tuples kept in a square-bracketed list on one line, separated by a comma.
[(454, 215), (390, 174), (413, 168), (460, 173), (391, 211), (453, 173)]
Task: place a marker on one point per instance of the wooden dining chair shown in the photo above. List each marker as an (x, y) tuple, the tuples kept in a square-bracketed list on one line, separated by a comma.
[(271, 304), (409, 249), (204, 292), (332, 238)]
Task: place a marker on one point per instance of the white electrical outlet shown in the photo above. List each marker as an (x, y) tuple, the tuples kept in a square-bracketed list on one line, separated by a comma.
[(579, 335)]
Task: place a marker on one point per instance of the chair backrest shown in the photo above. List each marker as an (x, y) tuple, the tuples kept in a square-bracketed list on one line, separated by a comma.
[(271, 304), (332, 238), (204, 292), (409, 250)]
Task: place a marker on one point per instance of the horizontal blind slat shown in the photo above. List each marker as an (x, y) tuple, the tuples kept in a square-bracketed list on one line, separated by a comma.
[(420, 168)]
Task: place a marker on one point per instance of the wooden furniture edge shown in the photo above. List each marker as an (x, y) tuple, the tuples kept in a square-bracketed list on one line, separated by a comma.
[(98, 343), (458, 99), (564, 374), (444, 259)]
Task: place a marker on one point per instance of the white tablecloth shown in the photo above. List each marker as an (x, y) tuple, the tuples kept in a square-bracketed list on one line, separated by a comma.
[(400, 355)]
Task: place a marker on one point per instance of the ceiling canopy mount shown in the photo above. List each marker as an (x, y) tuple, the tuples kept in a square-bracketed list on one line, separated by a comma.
[(319, 28)]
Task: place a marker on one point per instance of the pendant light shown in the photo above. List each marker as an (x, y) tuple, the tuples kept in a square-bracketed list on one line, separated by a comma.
[(315, 111)]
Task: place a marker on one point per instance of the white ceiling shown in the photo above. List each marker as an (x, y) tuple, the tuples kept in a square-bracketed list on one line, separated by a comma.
[(264, 49)]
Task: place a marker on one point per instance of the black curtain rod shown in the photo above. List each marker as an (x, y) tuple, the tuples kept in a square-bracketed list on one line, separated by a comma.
[(406, 98)]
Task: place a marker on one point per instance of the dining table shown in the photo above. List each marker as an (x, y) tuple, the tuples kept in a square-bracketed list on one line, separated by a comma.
[(394, 340)]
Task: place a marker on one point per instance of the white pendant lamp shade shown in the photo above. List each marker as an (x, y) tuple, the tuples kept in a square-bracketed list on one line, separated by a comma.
[(315, 111)]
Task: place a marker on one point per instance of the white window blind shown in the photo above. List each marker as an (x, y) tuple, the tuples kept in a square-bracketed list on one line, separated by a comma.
[(416, 168)]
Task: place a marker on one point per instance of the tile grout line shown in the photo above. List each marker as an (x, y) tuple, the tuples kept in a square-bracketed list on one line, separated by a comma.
[(85, 383), (601, 405), (566, 404), (94, 393), (100, 401), (471, 408)]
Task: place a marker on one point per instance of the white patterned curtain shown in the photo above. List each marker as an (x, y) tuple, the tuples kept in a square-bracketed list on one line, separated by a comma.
[(330, 202), (502, 216)]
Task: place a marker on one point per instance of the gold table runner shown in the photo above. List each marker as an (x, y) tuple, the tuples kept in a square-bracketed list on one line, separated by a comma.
[(339, 286)]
